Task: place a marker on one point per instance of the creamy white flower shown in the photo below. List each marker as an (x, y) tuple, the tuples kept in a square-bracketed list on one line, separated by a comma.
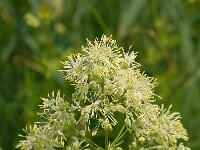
[(108, 82)]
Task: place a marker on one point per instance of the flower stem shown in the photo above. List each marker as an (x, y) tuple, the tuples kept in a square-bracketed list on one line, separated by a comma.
[(106, 140), (119, 136), (92, 144)]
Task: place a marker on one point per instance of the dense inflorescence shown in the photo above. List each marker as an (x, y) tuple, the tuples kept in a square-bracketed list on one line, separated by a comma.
[(107, 81)]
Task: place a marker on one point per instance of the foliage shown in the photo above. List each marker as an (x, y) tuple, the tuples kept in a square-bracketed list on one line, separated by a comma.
[(107, 80), (165, 33)]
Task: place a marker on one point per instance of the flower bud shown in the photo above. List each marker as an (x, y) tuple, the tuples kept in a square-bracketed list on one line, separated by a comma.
[(118, 148), (128, 122), (120, 108), (119, 93), (92, 85), (134, 145), (141, 139), (82, 133), (108, 127)]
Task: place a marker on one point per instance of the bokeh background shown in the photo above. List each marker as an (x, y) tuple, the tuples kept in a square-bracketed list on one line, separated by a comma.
[(35, 35)]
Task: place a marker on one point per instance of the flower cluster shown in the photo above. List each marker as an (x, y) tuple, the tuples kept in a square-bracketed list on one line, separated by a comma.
[(107, 82), (49, 134)]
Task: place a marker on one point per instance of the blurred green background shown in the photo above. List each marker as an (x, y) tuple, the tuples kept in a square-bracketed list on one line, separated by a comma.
[(36, 35)]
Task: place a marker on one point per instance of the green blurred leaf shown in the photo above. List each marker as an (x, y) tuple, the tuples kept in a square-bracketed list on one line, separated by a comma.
[(130, 15)]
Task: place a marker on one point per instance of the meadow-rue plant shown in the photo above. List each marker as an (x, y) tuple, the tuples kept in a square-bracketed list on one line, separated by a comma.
[(108, 83)]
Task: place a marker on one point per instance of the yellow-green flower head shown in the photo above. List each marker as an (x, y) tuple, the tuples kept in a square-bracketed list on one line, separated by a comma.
[(108, 80)]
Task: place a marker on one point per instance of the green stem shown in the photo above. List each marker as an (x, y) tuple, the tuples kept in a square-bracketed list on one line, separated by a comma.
[(106, 140), (120, 135), (102, 88), (92, 144), (106, 131), (96, 15)]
